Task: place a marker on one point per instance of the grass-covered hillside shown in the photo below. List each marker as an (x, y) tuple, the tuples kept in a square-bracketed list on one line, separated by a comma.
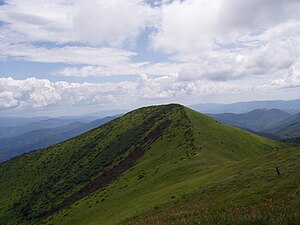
[(247, 192), (136, 165)]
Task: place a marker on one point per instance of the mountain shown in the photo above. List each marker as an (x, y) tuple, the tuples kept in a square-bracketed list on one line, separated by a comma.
[(290, 121), (48, 123), (295, 140), (292, 106), (19, 121), (274, 124), (271, 136), (292, 131), (257, 120), (145, 160), (42, 138)]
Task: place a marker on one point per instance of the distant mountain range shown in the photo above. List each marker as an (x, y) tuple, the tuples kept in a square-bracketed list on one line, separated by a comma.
[(270, 123), (288, 122), (36, 125), (292, 106), (19, 121), (257, 120), (19, 135), (15, 141)]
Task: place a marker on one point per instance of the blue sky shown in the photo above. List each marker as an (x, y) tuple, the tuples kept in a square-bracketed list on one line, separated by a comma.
[(67, 57)]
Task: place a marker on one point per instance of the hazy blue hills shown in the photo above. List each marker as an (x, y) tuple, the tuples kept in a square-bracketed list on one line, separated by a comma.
[(289, 129), (288, 122), (291, 106), (292, 131), (41, 138), (19, 121), (48, 123), (269, 123), (256, 120)]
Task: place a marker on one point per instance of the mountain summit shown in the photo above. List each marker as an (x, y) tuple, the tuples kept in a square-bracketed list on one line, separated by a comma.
[(122, 168)]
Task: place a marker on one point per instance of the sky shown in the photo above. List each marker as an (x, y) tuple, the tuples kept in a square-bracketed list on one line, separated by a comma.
[(73, 57)]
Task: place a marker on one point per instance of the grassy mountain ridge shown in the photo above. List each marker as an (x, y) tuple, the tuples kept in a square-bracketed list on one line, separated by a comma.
[(177, 150), (51, 175), (184, 156)]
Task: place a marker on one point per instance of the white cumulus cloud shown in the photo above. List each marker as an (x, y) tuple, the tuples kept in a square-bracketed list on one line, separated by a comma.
[(191, 49), (96, 21), (33, 93)]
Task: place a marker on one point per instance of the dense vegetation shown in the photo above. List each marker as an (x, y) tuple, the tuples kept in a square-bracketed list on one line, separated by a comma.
[(35, 183), (147, 164)]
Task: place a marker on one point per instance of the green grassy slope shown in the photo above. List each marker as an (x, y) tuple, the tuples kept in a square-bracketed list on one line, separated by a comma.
[(34, 184), (193, 151), (246, 192)]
